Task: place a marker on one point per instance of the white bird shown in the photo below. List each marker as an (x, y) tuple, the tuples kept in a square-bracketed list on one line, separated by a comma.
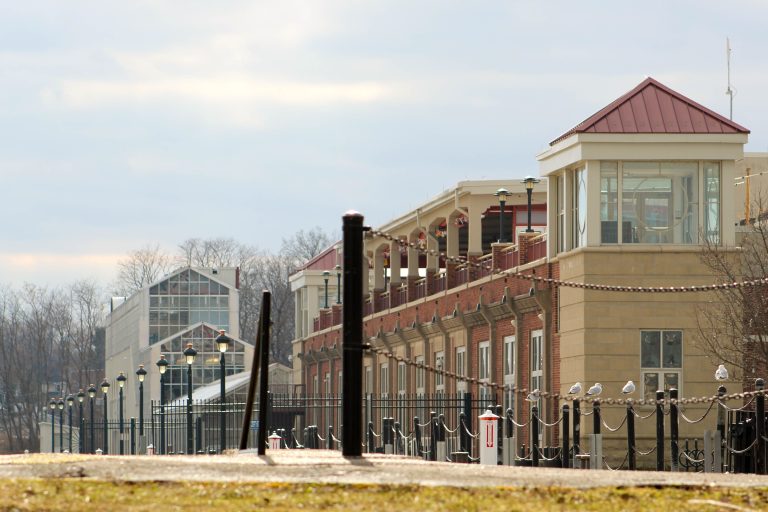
[(721, 373), (575, 389), (533, 396), (628, 388), (595, 390)]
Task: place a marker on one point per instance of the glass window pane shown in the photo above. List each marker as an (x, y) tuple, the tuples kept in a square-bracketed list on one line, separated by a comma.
[(673, 349), (650, 353), (650, 385), (609, 206), (671, 381), (712, 202)]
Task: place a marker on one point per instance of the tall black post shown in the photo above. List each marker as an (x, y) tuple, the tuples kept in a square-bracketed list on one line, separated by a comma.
[(338, 284), (534, 436), (326, 274), (122, 422), (565, 448), (760, 427), (576, 426), (190, 428), (81, 424), (529, 190), (721, 413), (251, 395), (61, 425), (106, 427), (222, 404), (631, 453), (659, 430), (53, 426), (502, 238), (674, 446), (162, 414), (352, 322), (69, 407), (261, 435), (91, 426)]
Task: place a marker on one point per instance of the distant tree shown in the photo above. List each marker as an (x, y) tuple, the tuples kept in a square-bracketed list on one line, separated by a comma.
[(733, 325), (305, 245), (141, 268)]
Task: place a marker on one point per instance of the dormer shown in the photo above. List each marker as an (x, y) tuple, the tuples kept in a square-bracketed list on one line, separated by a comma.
[(651, 168)]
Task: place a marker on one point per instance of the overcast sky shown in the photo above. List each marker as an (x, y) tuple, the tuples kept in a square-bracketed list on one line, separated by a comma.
[(124, 124)]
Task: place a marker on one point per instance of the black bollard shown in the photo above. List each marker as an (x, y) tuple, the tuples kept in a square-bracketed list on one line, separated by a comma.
[(596, 418), (631, 446), (371, 444), (565, 459), (397, 437), (463, 434), (674, 447), (659, 430), (576, 427), (760, 427), (433, 435), (352, 337), (329, 438), (500, 430), (721, 391), (417, 436)]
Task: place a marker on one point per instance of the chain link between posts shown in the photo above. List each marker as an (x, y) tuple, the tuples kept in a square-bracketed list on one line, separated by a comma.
[(418, 246)]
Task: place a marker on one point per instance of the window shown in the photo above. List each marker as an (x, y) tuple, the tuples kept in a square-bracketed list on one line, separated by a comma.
[(384, 381), (420, 375), (609, 202), (537, 362), (660, 202), (401, 368), (579, 207), (661, 360), (439, 377), (461, 369), (484, 372), (712, 202), (509, 372), (561, 244)]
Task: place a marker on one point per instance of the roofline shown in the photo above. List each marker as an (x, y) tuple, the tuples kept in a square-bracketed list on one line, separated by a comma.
[(582, 126)]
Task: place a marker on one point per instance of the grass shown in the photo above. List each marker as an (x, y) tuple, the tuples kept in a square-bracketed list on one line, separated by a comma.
[(83, 495)]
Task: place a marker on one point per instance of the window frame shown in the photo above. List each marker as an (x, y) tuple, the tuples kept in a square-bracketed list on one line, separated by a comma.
[(661, 371)]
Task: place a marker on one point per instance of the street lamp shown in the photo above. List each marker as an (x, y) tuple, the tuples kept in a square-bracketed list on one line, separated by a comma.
[(529, 182), (105, 389), (189, 355), (121, 383), (326, 274), (81, 436), (162, 366), (502, 194), (52, 405), (222, 342), (338, 284), (70, 403), (91, 396), (141, 374)]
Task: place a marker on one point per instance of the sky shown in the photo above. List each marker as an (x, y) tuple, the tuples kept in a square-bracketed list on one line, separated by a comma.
[(127, 124)]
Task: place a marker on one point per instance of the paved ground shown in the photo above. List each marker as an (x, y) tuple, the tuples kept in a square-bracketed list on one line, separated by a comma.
[(331, 467)]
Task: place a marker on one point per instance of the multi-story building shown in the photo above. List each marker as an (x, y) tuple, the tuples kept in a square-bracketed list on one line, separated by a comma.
[(190, 305), (633, 194)]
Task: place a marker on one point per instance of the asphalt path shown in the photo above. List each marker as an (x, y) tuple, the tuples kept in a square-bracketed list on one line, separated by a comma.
[(323, 466)]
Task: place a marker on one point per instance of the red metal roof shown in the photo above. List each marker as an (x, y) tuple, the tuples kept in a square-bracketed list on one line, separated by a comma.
[(326, 260), (652, 107)]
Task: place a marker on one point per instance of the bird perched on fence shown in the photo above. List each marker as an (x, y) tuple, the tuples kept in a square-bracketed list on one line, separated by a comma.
[(575, 389), (533, 396), (595, 390), (721, 373), (628, 388)]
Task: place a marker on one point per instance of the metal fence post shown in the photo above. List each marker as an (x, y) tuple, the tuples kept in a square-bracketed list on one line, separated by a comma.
[(631, 453), (674, 447), (133, 436), (565, 459), (352, 334), (534, 436), (596, 417), (576, 426), (433, 436), (760, 427), (329, 438), (659, 430), (721, 391), (371, 446), (417, 436)]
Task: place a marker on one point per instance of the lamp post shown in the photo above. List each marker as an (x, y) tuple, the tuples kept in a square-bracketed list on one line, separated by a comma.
[(60, 405), (91, 396), (105, 389), (222, 342), (81, 436), (189, 355), (338, 284), (502, 194), (529, 182), (52, 405), (70, 403), (326, 274), (141, 374), (162, 366), (121, 383)]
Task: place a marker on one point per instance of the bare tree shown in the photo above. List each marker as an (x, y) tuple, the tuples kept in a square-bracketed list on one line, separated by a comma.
[(305, 245), (141, 268), (733, 325)]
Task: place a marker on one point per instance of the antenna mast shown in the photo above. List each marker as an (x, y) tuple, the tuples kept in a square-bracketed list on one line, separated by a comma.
[(729, 90)]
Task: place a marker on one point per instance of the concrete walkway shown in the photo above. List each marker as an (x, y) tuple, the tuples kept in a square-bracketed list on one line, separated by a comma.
[(330, 467)]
